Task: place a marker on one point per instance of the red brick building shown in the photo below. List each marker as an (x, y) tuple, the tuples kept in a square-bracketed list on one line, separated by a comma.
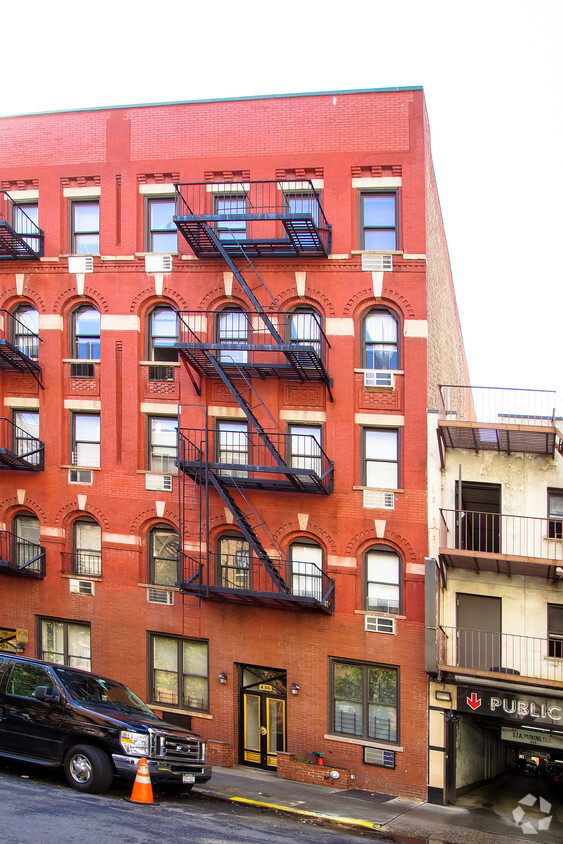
[(222, 324)]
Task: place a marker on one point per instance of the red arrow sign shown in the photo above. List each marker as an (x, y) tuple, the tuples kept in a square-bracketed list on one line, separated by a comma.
[(474, 702)]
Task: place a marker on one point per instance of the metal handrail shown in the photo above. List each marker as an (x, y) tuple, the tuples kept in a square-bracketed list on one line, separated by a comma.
[(21, 445), (28, 232), (82, 563), (200, 327), (20, 337), (232, 572), (498, 405), (501, 533), (20, 555), (500, 653)]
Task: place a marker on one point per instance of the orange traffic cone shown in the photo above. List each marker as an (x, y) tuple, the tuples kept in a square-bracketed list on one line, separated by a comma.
[(142, 788)]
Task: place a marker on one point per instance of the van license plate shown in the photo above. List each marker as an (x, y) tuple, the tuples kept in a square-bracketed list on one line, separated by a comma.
[(188, 777)]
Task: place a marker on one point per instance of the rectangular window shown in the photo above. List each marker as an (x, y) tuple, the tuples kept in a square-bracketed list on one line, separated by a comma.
[(25, 222), (162, 234), (85, 227), (163, 444), (364, 700), (233, 226), (86, 440), (555, 513), (26, 435), (180, 672), (381, 458), (65, 643), (233, 447), (305, 441), (300, 204), (555, 630), (379, 222)]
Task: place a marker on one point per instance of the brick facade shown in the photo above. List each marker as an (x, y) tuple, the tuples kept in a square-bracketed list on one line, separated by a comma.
[(336, 138)]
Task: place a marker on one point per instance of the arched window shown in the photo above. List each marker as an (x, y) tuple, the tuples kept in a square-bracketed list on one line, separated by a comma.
[(163, 548), (382, 567), (307, 569), (85, 334), (86, 548), (29, 555), (25, 331), (233, 562), (380, 348), (305, 328), (162, 334), (233, 331)]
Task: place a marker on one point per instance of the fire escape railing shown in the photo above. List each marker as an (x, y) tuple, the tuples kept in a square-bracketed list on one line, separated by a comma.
[(19, 346), (18, 556), (272, 348), (20, 237), (268, 218), (245, 461), (19, 449)]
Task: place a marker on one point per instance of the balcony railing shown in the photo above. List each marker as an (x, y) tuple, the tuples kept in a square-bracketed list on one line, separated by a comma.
[(242, 578), (20, 237), (495, 535), (20, 450), (498, 419), (242, 459), (266, 218), (20, 557), (512, 656), (82, 563), (242, 341)]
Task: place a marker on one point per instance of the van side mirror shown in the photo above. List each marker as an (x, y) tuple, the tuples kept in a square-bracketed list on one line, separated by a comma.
[(46, 694)]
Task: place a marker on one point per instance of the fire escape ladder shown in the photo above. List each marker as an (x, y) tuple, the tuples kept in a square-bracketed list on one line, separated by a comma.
[(248, 530), (237, 272)]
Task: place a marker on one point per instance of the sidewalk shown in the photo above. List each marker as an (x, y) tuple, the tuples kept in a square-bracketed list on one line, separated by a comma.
[(408, 821)]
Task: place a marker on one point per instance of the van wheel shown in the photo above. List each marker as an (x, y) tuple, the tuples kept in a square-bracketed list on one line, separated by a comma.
[(88, 769)]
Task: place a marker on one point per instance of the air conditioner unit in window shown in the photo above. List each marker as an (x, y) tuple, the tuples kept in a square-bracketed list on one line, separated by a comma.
[(379, 624), (377, 263), (379, 378), (80, 264), (158, 263), (80, 476), (81, 587), (379, 499), (158, 483), (160, 596)]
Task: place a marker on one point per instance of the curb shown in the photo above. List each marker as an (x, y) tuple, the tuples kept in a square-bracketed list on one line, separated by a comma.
[(291, 811)]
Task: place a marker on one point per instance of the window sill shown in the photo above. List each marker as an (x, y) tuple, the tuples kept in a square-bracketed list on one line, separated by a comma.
[(379, 613), (364, 742), (195, 713), (376, 252), (380, 489)]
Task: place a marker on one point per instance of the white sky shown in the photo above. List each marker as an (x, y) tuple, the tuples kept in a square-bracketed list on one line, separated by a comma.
[(492, 72)]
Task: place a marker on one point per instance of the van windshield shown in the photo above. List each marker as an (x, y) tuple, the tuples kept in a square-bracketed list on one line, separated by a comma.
[(107, 694)]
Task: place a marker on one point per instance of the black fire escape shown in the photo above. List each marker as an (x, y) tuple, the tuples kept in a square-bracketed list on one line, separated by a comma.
[(20, 237), (239, 222)]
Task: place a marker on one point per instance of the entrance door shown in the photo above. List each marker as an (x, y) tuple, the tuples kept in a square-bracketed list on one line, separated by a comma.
[(478, 518), (478, 632), (263, 716)]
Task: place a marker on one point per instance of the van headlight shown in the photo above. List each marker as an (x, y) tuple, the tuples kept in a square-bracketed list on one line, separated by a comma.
[(135, 744)]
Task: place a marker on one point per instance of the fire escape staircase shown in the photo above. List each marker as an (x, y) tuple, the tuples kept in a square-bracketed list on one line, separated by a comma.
[(207, 362), (21, 241)]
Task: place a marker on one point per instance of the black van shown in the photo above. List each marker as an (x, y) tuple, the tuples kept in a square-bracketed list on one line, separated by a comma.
[(94, 727)]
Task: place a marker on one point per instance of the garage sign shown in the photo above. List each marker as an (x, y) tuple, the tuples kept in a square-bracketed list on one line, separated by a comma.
[(526, 709), (520, 736)]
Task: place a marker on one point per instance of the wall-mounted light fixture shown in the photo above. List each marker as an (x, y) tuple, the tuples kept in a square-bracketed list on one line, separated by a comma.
[(294, 689), (444, 695), (20, 647), (223, 677)]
